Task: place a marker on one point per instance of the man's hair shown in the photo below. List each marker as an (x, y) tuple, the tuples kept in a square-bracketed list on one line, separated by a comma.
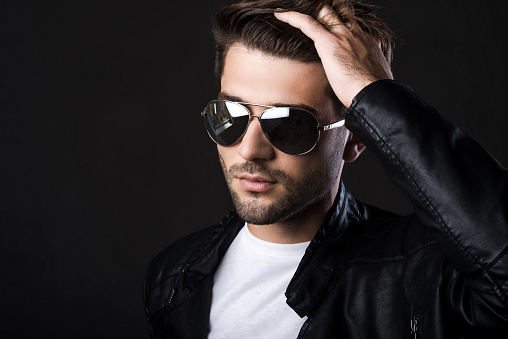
[(253, 24)]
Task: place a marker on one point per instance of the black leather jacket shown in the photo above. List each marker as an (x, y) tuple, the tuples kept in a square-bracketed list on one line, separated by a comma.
[(439, 273)]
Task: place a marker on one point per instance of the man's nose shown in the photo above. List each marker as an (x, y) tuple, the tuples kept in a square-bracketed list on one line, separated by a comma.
[(255, 144)]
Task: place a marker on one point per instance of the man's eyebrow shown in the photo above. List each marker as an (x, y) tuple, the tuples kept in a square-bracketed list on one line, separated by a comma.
[(227, 96)]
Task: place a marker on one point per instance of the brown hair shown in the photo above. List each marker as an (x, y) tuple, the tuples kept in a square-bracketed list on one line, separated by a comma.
[(253, 24)]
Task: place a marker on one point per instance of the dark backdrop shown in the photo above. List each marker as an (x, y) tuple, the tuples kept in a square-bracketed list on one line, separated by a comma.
[(104, 160)]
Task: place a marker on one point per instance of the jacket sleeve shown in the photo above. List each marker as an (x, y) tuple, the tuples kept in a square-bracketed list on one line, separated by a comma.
[(456, 187)]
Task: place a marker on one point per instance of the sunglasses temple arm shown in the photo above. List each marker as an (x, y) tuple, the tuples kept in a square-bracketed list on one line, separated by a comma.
[(332, 126)]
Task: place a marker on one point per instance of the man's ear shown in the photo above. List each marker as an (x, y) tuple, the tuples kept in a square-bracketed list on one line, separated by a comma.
[(353, 148)]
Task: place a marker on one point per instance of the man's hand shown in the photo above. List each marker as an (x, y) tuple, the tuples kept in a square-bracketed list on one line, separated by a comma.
[(352, 58)]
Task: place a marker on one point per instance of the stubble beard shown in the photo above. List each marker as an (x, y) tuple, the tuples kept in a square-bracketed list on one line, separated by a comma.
[(298, 196)]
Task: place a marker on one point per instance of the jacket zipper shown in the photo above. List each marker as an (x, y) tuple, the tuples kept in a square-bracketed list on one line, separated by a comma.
[(172, 294), (415, 325)]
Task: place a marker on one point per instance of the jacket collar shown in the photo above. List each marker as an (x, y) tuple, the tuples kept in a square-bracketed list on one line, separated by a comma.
[(327, 256), (208, 254)]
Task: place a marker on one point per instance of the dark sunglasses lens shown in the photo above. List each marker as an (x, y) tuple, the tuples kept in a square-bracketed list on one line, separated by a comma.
[(226, 121), (291, 130)]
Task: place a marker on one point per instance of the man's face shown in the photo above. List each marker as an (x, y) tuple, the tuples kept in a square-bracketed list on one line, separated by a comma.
[(268, 186)]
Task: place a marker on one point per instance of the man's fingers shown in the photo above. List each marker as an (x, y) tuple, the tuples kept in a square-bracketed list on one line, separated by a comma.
[(331, 21), (307, 24), (328, 18)]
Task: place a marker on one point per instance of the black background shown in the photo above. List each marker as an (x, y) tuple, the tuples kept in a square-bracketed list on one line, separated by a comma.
[(104, 159)]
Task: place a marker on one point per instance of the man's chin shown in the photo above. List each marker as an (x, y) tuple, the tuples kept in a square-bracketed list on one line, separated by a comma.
[(262, 210)]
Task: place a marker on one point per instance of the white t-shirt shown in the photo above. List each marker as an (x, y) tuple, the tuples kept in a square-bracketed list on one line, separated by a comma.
[(248, 293)]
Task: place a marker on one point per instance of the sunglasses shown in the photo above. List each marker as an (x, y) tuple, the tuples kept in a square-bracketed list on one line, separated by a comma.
[(294, 131)]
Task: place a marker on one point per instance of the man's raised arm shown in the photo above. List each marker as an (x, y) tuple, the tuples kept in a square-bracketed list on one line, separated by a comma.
[(457, 188)]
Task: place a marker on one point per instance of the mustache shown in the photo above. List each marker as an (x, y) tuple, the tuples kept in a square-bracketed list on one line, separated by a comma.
[(252, 167)]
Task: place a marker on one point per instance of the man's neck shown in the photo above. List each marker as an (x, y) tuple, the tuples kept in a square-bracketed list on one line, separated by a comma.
[(302, 226)]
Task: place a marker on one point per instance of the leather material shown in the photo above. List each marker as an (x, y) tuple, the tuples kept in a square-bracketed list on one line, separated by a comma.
[(439, 273)]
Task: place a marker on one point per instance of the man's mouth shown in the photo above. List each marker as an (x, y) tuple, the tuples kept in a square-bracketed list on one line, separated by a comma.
[(256, 183)]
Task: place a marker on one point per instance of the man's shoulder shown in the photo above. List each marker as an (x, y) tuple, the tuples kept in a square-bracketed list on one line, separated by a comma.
[(169, 265), (170, 260)]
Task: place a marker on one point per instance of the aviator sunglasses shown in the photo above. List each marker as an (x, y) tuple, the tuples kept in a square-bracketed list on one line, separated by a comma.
[(294, 131)]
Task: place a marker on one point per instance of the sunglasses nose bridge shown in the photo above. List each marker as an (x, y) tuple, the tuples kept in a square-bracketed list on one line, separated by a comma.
[(254, 116), (251, 117), (254, 143)]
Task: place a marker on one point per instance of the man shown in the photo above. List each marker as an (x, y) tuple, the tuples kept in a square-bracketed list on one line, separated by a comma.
[(299, 257)]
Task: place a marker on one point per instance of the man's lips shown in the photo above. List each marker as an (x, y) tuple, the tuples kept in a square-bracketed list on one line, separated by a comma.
[(256, 183)]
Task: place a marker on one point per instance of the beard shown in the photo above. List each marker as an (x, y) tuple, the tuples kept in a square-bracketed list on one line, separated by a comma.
[(297, 197)]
